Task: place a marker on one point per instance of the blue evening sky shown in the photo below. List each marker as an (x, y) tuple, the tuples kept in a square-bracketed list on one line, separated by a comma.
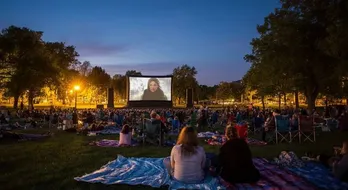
[(153, 36)]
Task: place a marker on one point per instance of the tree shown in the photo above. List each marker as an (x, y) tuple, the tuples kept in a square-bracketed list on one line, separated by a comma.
[(133, 73), (184, 77), (85, 68), (29, 60), (119, 83), (224, 91), (289, 43), (64, 58), (237, 89), (99, 79), (206, 92)]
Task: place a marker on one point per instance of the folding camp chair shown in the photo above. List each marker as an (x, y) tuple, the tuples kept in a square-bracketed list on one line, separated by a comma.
[(306, 129), (282, 129), (152, 132)]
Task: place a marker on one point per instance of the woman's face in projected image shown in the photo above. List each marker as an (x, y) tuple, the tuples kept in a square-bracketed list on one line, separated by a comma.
[(153, 86)]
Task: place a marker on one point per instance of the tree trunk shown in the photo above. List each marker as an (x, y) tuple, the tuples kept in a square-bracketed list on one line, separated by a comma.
[(263, 103), (279, 101), (284, 98), (326, 103), (311, 98), (31, 99), (296, 100), (15, 102)]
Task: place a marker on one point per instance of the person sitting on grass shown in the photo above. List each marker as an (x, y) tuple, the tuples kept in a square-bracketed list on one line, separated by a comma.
[(125, 136), (187, 160), (235, 160)]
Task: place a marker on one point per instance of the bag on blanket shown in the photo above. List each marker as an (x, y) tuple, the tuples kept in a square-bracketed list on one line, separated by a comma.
[(289, 159)]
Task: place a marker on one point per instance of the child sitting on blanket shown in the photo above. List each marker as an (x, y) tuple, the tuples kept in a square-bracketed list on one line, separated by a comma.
[(125, 136)]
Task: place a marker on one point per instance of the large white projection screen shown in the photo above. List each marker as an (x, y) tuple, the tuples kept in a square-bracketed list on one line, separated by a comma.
[(150, 89)]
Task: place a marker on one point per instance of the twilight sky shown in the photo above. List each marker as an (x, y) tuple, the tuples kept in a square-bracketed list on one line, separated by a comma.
[(153, 36)]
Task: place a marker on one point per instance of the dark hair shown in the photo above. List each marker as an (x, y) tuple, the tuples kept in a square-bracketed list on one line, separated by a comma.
[(153, 80), (125, 129)]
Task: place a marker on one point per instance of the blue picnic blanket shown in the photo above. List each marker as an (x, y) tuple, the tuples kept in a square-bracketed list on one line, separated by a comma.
[(108, 131), (151, 172), (317, 174), (142, 171)]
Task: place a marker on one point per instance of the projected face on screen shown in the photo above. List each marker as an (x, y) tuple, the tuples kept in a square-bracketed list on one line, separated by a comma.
[(150, 88)]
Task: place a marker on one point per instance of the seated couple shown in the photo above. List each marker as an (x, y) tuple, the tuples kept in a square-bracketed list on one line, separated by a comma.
[(189, 163)]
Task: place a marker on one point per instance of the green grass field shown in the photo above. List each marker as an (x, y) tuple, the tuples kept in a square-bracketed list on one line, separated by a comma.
[(53, 163)]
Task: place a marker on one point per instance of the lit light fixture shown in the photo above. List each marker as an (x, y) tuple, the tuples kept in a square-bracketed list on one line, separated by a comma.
[(76, 87)]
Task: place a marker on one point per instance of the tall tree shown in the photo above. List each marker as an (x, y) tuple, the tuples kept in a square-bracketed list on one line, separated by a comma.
[(184, 77), (119, 83), (30, 61), (99, 79), (290, 41), (224, 91), (85, 68)]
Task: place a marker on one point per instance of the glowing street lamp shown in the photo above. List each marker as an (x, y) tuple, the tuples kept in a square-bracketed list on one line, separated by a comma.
[(76, 88)]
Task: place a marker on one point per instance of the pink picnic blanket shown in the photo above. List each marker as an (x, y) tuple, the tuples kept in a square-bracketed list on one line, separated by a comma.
[(106, 143)]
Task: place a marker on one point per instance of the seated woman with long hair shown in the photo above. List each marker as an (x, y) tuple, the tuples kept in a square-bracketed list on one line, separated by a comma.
[(187, 159), (125, 136), (235, 160)]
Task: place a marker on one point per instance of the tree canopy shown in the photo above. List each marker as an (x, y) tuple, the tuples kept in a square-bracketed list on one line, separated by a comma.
[(296, 49)]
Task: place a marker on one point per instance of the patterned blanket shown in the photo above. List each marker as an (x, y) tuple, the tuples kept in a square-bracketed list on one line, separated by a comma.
[(151, 172), (220, 140), (315, 173), (107, 143), (274, 178)]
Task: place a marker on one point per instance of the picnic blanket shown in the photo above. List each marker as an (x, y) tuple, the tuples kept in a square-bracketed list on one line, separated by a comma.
[(273, 177), (115, 143), (142, 171), (207, 134), (220, 140), (106, 143), (317, 174), (151, 172), (108, 131)]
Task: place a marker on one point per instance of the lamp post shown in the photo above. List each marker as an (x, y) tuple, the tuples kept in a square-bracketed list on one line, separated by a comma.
[(76, 88)]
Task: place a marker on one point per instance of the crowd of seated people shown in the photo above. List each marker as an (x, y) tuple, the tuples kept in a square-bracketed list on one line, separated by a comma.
[(188, 162)]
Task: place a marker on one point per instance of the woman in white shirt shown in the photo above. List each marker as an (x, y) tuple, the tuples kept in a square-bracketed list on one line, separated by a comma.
[(125, 136), (187, 159)]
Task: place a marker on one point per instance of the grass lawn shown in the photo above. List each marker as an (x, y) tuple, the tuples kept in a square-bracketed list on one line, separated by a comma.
[(53, 163)]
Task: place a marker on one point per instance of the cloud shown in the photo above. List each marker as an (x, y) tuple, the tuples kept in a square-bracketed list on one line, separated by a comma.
[(159, 68), (208, 73), (99, 49)]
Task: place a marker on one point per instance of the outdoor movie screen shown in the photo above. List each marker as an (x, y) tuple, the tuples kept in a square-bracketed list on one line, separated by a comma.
[(150, 88)]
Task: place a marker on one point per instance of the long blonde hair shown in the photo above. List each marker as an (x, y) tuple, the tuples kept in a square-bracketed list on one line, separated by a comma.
[(188, 141)]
